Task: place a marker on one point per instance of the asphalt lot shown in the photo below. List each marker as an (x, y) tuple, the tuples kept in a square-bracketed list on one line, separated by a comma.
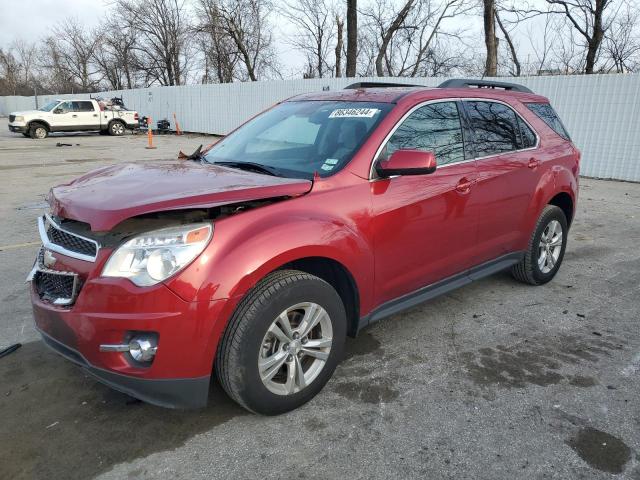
[(497, 380)]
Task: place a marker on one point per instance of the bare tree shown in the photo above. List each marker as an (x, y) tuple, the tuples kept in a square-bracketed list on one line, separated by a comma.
[(246, 22), (219, 49), (352, 37), (512, 48), (622, 41), (314, 31), (70, 55), (162, 27), (490, 39), (339, 45), (115, 56)]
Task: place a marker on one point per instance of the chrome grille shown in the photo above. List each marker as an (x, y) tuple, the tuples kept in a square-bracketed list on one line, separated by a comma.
[(71, 242), (57, 239), (59, 288)]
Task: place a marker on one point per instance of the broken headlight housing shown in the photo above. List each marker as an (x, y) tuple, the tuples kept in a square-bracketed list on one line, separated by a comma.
[(152, 257)]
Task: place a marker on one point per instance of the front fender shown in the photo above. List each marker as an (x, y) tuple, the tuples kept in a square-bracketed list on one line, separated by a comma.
[(246, 248)]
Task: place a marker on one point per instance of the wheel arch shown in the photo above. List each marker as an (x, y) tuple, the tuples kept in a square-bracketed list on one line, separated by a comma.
[(564, 201), (41, 122)]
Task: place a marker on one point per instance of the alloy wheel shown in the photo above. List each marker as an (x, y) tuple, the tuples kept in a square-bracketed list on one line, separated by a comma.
[(295, 348), (550, 246)]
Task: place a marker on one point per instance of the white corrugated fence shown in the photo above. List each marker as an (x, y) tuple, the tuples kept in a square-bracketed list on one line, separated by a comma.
[(600, 111)]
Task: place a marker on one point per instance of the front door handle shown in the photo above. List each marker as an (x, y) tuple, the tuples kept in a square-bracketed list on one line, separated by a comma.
[(74, 116), (464, 185), (533, 163)]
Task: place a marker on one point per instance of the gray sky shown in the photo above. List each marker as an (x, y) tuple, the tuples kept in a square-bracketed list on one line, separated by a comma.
[(31, 19)]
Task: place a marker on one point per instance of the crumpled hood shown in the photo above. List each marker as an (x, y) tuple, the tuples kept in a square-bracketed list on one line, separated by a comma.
[(105, 197)]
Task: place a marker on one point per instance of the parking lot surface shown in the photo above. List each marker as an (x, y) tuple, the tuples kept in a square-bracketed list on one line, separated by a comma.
[(497, 380)]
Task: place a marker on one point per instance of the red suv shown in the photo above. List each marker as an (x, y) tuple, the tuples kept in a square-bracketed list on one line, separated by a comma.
[(316, 218)]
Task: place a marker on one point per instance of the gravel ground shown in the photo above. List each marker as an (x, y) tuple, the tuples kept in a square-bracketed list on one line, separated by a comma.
[(497, 380)]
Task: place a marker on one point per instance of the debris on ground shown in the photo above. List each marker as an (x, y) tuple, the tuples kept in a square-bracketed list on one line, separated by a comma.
[(10, 349), (60, 144)]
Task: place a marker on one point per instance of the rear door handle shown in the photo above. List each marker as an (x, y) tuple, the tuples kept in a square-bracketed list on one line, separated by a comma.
[(464, 185), (533, 163)]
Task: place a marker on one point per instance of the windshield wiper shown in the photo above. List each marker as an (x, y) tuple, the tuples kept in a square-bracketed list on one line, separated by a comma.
[(256, 167)]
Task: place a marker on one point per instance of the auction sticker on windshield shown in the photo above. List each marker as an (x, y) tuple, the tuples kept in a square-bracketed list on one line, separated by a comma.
[(353, 113)]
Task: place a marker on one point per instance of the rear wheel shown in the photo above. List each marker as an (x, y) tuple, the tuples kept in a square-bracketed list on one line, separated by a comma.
[(38, 131), (116, 128), (546, 248), (283, 343)]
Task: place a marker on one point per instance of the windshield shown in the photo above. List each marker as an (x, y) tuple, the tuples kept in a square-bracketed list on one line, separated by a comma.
[(297, 139), (49, 106)]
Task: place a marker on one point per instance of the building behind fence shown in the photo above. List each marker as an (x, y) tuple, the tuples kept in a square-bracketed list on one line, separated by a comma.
[(601, 112)]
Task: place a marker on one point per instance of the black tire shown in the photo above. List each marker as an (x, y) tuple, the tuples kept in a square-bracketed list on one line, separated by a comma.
[(117, 128), (236, 361), (528, 270), (38, 131)]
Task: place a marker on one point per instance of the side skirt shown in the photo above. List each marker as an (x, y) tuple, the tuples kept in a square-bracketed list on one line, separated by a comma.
[(424, 294)]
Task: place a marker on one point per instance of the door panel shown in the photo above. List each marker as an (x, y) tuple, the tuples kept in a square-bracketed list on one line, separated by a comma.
[(424, 230), (508, 172), (85, 115)]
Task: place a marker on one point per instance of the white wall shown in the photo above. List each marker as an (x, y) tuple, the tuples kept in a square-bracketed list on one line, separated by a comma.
[(601, 112)]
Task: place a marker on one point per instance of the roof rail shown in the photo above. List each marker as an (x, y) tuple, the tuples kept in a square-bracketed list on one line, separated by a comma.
[(467, 83), (378, 85)]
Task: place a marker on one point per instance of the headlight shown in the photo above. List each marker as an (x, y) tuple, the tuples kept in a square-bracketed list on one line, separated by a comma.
[(18, 119), (154, 256)]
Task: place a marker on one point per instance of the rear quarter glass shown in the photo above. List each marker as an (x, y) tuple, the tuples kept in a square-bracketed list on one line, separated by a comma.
[(548, 115)]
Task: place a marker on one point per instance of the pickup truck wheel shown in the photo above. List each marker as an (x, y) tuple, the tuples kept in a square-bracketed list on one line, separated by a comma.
[(39, 131), (283, 343), (116, 128), (546, 248)]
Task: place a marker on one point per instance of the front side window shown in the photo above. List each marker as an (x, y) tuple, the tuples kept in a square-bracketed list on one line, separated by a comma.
[(548, 115), (297, 139), (436, 128), (65, 107), (495, 127)]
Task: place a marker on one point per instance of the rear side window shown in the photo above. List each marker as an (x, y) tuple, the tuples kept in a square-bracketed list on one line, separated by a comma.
[(83, 107), (528, 137), (548, 115), (434, 128), (495, 127)]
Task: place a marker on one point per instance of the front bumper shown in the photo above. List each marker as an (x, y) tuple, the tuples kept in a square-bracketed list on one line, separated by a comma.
[(108, 310), (170, 393), (18, 128)]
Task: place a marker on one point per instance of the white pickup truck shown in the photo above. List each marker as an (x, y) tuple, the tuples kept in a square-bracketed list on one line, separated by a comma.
[(72, 116)]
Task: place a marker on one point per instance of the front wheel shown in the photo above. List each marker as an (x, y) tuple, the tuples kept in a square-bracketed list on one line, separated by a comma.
[(283, 343), (546, 248), (38, 131)]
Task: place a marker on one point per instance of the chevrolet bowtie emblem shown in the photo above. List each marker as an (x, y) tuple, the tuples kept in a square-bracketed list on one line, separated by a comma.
[(48, 259)]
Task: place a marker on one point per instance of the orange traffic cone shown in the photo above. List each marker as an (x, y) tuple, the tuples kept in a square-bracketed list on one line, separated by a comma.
[(149, 135), (178, 131)]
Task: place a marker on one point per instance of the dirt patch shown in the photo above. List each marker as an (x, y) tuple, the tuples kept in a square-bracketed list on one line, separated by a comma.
[(538, 361), (601, 450)]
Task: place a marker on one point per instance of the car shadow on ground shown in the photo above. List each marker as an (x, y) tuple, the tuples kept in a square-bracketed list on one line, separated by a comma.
[(58, 422)]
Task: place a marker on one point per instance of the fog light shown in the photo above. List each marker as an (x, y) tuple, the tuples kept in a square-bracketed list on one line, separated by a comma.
[(142, 349)]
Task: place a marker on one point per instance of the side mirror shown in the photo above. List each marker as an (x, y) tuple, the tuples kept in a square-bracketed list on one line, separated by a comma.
[(407, 162), (58, 110)]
